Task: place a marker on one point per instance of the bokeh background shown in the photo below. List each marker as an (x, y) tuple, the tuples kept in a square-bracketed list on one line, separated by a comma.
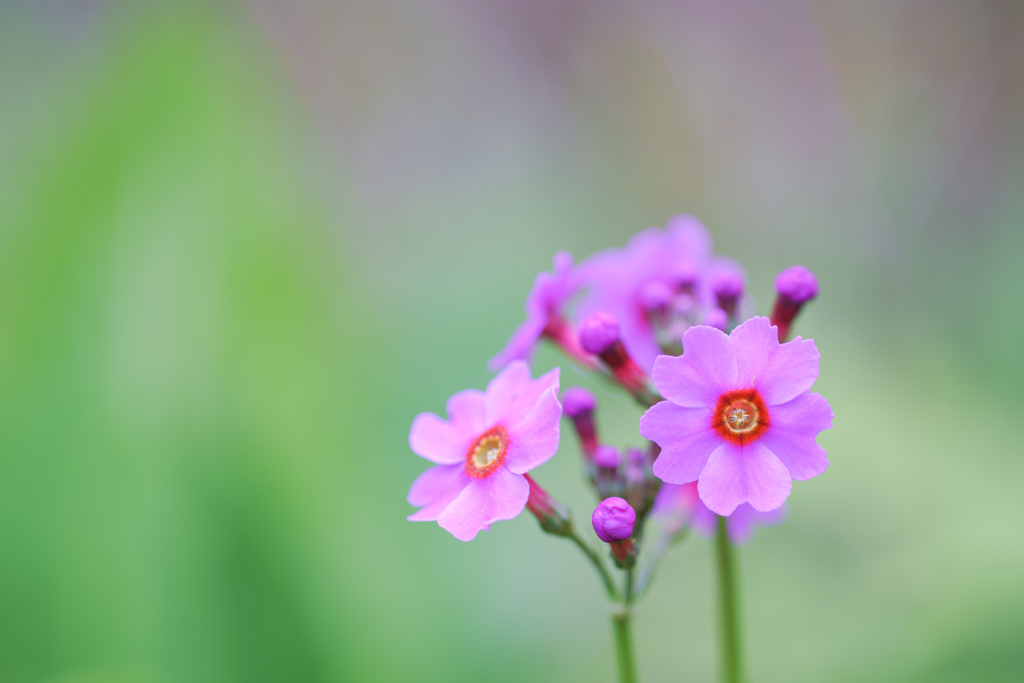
[(242, 244)]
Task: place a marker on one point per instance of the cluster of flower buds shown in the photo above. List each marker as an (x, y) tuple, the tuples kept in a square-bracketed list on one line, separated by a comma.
[(612, 473)]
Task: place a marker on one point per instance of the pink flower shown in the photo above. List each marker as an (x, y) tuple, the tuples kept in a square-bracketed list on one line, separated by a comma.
[(739, 418), (679, 504), (545, 313), (637, 283), (489, 441)]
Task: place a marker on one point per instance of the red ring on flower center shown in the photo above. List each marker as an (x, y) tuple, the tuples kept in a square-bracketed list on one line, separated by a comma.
[(487, 452), (740, 416)]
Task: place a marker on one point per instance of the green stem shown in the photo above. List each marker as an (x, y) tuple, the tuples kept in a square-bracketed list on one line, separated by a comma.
[(732, 665), (624, 645), (595, 559)]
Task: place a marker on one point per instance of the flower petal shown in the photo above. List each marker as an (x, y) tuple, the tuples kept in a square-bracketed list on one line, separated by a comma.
[(690, 239), (743, 520), (791, 435), (706, 369), (743, 474), (639, 338), (806, 414), (502, 495), (686, 439), (703, 520), (467, 411), (505, 387), (534, 440), (435, 489), (512, 394), (779, 371), (437, 440)]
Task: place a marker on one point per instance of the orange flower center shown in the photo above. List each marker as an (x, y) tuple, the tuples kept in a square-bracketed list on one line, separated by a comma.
[(487, 452), (740, 416)]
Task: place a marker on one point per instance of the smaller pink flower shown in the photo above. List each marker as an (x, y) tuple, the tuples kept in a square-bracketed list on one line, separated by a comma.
[(679, 504), (489, 441), (739, 418)]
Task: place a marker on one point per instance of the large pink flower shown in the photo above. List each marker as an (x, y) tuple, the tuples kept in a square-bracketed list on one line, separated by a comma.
[(740, 419), (489, 441)]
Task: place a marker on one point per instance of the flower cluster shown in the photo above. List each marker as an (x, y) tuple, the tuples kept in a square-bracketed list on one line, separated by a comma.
[(730, 419), (730, 401)]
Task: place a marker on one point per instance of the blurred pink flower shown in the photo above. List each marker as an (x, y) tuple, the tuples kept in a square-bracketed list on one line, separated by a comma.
[(678, 505), (640, 283), (545, 311), (655, 265)]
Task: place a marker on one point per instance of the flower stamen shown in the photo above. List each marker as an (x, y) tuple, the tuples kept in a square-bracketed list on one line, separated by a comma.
[(740, 416), (487, 452)]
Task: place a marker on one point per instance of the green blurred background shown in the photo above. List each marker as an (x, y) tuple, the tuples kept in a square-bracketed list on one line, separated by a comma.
[(242, 244)]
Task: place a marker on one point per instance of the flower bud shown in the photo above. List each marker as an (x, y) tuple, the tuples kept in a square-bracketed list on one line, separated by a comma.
[(613, 520), (577, 401), (797, 284), (686, 276), (607, 457), (604, 473), (554, 517), (795, 287), (635, 466), (728, 288), (717, 318), (579, 405), (599, 332)]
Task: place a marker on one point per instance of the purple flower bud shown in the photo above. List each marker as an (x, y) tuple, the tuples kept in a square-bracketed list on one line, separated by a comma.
[(686, 276), (613, 520), (635, 463), (579, 404), (598, 332), (717, 318), (797, 284), (576, 401), (728, 287), (607, 456), (727, 283)]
